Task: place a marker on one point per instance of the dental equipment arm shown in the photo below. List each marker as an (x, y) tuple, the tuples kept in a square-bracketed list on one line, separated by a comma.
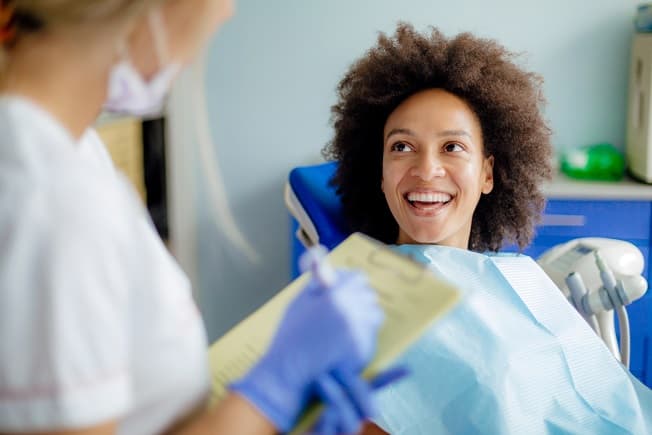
[(625, 340), (610, 279), (578, 291)]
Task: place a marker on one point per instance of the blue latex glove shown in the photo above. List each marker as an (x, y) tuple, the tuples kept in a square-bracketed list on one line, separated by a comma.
[(323, 328), (349, 399)]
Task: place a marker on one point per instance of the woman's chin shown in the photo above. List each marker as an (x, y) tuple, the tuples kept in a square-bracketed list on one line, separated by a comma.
[(422, 238), (430, 237)]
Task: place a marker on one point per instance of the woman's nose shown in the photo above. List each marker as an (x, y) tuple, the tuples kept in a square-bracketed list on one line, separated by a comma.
[(428, 167)]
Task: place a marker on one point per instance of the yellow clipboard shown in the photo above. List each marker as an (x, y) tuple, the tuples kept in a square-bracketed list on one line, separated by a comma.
[(410, 295)]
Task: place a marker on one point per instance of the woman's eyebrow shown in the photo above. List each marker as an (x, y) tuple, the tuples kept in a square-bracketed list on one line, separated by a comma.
[(442, 133), (394, 131), (454, 133)]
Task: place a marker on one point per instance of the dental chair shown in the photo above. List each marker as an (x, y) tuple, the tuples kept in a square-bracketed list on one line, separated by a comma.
[(581, 268)]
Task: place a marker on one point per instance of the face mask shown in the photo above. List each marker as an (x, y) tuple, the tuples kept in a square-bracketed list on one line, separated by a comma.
[(129, 93)]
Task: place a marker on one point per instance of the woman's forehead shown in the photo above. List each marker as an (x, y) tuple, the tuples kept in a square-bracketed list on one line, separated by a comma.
[(433, 112)]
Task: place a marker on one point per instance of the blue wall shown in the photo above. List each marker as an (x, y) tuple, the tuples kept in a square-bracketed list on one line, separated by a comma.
[(271, 81)]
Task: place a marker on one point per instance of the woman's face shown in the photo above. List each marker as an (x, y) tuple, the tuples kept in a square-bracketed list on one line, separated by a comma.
[(434, 168)]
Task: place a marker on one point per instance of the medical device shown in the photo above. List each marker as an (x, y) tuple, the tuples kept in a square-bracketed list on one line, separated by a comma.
[(599, 276), (638, 145)]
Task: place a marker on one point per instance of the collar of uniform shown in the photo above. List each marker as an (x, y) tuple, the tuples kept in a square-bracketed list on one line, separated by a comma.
[(30, 123), (32, 138)]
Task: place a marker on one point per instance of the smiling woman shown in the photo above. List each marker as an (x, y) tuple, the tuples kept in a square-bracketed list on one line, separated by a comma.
[(442, 149), (441, 141), (434, 168)]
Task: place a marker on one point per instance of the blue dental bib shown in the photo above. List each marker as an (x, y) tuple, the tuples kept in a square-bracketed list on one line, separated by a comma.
[(513, 358)]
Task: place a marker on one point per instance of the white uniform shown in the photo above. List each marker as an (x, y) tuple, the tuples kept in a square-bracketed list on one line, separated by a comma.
[(97, 321)]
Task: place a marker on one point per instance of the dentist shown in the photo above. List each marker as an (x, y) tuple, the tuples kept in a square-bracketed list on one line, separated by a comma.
[(99, 333)]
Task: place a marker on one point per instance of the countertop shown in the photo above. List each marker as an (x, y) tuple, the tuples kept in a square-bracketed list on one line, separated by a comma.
[(563, 187)]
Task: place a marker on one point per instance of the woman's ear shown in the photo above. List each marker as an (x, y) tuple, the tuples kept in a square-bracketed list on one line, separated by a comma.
[(488, 172)]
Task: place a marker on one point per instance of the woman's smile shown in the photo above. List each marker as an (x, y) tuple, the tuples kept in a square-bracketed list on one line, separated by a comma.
[(427, 203)]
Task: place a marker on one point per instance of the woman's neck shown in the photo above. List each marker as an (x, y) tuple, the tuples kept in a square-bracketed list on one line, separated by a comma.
[(66, 77)]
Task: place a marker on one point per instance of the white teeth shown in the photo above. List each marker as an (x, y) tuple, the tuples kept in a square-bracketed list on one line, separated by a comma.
[(429, 197)]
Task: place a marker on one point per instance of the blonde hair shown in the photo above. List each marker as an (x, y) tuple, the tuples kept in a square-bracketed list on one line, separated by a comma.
[(32, 16), (48, 13)]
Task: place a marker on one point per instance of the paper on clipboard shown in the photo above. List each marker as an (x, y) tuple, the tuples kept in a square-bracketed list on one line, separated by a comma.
[(411, 297)]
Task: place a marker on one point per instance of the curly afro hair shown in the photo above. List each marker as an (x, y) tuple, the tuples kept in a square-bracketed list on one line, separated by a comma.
[(506, 99)]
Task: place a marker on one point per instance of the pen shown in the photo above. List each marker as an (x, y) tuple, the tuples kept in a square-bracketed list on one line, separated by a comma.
[(314, 260)]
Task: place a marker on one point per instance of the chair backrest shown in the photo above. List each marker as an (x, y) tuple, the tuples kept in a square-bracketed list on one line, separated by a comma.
[(315, 205)]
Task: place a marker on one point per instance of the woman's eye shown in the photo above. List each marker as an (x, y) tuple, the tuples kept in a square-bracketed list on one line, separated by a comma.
[(401, 147), (453, 147)]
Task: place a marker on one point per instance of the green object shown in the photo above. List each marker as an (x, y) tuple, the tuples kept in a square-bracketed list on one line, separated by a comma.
[(594, 162)]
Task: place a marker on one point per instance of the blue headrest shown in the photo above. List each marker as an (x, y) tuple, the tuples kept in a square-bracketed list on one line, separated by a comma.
[(311, 186)]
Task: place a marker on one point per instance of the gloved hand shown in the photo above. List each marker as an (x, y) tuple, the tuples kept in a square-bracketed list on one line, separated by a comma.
[(323, 328), (349, 399)]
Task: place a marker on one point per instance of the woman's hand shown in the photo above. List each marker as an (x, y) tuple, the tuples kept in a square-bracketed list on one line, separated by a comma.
[(348, 401), (324, 329)]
